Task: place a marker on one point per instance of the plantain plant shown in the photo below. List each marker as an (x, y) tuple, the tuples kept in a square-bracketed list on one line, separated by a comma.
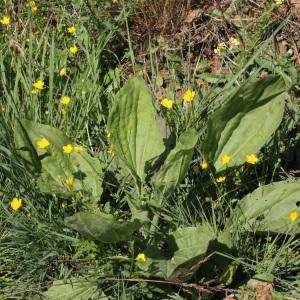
[(242, 126)]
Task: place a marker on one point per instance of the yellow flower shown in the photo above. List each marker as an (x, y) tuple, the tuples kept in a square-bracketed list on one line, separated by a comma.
[(34, 92), (5, 20), (43, 143), (40, 226), (73, 50), (78, 149), (293, 215), (65, 100), (108, 135), (16, 203), (141, 257), (39, 85), (220, 179), (189, 95), (220, 48), (279, 2), (196, 169), (251, 159), (70, 181), (68, 148), (166, 103), (63, 72), (111, 150), (234, 42), (71, 29), (225, 159), (33, 6), (204, 165)]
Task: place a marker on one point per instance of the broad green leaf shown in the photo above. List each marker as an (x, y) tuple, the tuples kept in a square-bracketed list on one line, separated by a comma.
[(53, 165), (176, 164), (75, 289), (211, 77), (268, 208), (101, 227), (134, 132), (217, 267), (185, 248), (246, 122)]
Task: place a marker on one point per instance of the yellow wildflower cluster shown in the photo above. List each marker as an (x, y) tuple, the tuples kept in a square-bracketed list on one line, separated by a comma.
[(203, 166), (111, 151), (16, 203), (37, 86), (69, 148), (279, 2), (33, 6), (5, 20), (167, 103), (234, 42), (220, 48)]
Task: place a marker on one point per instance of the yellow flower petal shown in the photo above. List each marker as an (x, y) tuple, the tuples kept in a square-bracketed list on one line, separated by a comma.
[(68, 149), (141, 257), (70, 181), (16, 203), (167, 103), (293, 215), (221, 179), (78, 149), (225, 159), (204, 165), (73, 50), (39, 85), (65, 100), (63, 72), (5, 20), (189, 95), (43, 143), (71, 29), (251, 159), (234, 42)]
